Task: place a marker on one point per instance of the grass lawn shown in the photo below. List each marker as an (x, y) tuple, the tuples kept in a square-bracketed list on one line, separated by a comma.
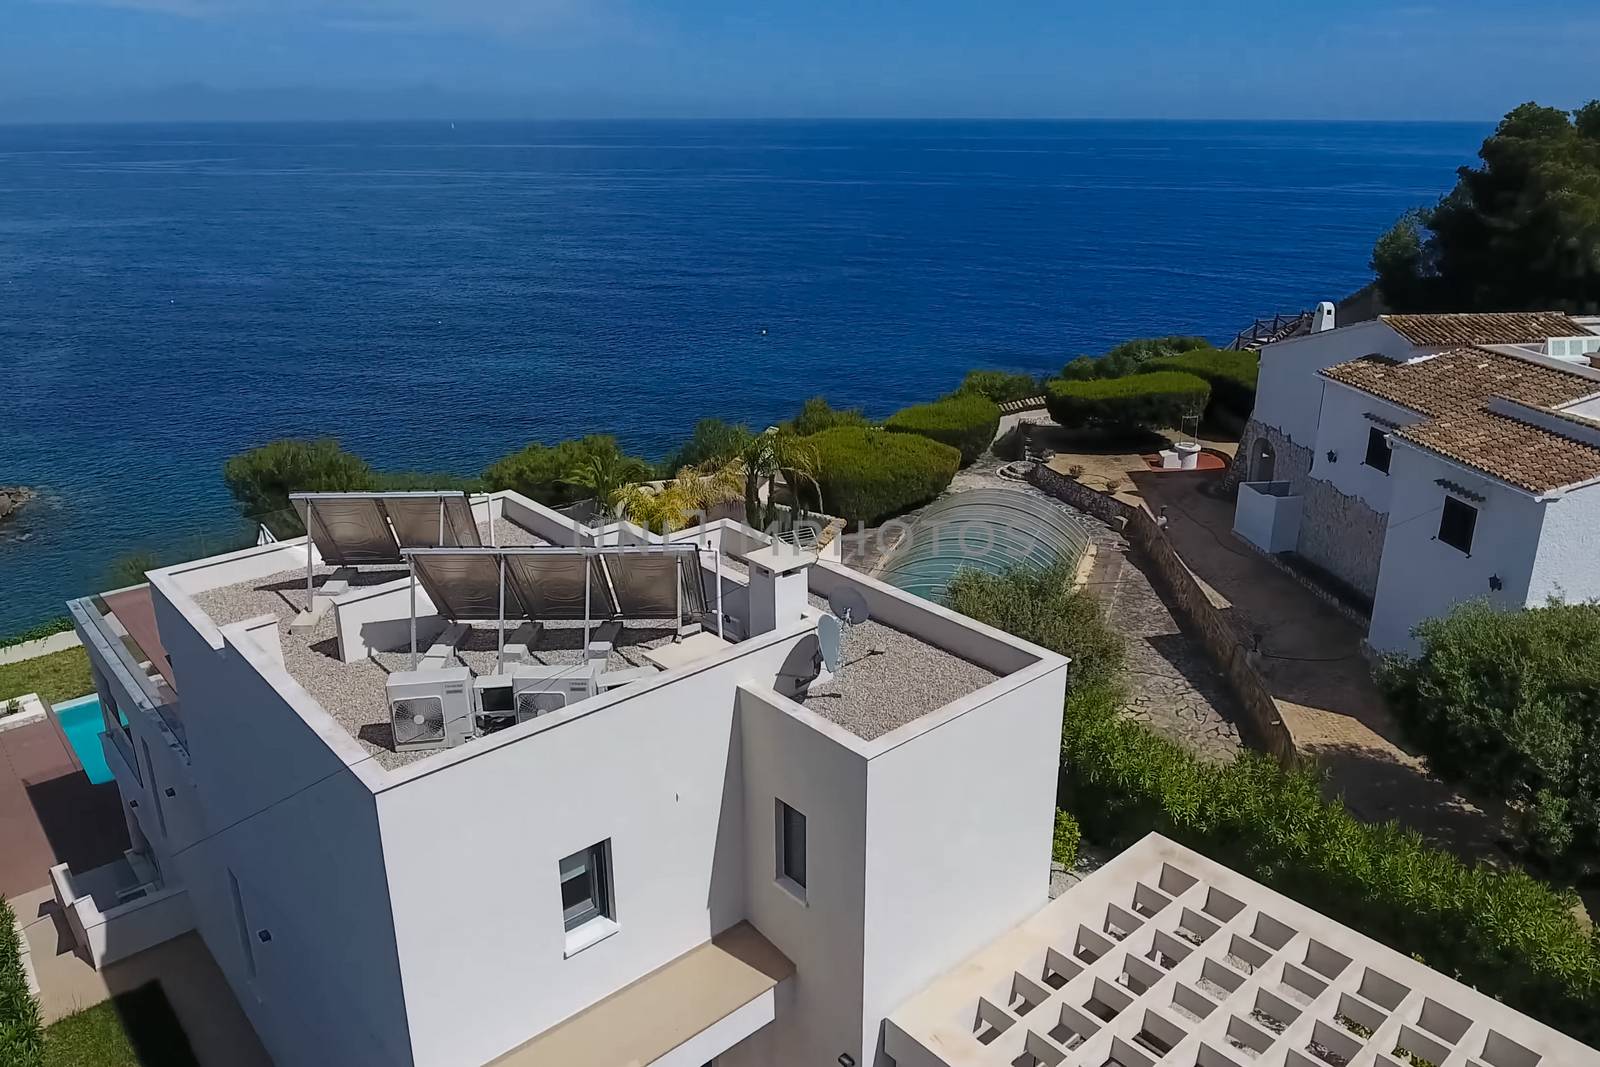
[(56, 677), (136, 1029)]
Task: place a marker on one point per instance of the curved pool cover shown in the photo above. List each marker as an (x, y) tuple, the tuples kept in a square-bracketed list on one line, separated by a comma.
[(989, 530)]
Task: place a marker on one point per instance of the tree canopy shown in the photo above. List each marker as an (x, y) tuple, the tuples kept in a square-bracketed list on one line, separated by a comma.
[(1505, 702), (1519, 232)]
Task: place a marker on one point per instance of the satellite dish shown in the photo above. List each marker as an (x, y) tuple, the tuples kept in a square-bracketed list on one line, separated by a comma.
[(848, 605), (830, 641)]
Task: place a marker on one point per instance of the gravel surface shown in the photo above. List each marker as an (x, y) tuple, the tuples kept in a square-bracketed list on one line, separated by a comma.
[(889, 678)]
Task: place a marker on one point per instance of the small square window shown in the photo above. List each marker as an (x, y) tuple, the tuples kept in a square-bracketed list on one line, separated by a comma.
[(586, 886), (1378, 450), (1457, 524), (791, 826)]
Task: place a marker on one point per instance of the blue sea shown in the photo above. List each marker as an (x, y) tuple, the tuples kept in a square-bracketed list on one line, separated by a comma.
[(437, 295)]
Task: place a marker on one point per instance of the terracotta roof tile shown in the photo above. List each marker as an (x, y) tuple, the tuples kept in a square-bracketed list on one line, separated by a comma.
[(1505, 328), (1461, 379), (1453, 388), (1532, 457)]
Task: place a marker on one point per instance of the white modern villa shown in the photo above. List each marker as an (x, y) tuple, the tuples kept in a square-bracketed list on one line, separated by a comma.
[(592, 819), (456, 782), (1419, 461)]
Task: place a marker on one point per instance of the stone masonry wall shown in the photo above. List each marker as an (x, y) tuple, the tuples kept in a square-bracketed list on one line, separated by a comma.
[(1216, 635), (1341, 535), (1291, 463)]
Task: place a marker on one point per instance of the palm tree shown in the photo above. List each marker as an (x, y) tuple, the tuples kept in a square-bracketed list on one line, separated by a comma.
[(693, 490), (767, 456), (606, 474)]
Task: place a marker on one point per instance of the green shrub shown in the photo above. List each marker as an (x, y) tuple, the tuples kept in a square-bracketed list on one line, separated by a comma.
[(1068, 835), (1511, 936), (1000, 385), (21, 1038), (49, 628), (262, 478), (867, 475), (1039, 605), (1130, 357), (1144, 349), (964, 421), (817, 415), (542, 472), (1505, 702), (711, 441), (1142, 401), (1231, 375)]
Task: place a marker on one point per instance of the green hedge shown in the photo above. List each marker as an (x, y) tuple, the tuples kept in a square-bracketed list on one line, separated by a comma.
[(58, 625), (1231, 375), (1511, 936), (1149, 401), (1001, 385), (867, 475), (964, 421), (1507, 934), (21, 1037)]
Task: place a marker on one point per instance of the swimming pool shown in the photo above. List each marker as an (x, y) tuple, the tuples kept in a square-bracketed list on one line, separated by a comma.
[(81, 722)]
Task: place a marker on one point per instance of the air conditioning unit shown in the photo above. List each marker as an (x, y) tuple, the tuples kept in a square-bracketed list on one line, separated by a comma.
[(430, 709), (540, 690)]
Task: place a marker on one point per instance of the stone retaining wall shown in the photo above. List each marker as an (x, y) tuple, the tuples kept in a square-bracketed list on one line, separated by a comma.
[(1263, 723)]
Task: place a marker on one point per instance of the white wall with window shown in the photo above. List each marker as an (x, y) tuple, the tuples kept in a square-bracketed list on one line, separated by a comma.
[(1453, 535), (1289, 389), (1352, 452)]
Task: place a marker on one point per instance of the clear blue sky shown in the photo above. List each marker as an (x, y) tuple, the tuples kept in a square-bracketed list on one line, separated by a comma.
[(1462, 59)]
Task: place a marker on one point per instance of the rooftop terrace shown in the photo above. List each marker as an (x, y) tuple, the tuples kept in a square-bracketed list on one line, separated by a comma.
[(889, 677)]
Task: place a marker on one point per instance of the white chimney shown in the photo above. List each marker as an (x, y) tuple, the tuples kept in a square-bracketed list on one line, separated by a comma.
[(779, 579), (1322, 318)]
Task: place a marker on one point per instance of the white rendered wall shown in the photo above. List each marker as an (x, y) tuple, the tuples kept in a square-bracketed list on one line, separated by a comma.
[(1422, 577), (792, 755), (960, 818), (284, 811), (1567, 562), (473, 839), (1343, 429), (1289, 389)]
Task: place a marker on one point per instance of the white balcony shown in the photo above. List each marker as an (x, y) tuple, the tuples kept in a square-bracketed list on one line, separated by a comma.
[(1268, 516)]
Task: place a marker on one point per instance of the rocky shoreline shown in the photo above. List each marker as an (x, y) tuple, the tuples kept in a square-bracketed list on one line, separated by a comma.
[(12, 499)]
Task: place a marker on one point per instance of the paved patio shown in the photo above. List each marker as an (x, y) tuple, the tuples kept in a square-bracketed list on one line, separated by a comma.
[(49, 812), (1311, 659), (1172, 687)]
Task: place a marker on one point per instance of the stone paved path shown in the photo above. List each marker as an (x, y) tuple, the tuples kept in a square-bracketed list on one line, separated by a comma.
[(1173, 688)]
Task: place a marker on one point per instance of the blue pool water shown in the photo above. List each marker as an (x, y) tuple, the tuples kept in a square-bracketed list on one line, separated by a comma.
[(437, 295), (81, 722)]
